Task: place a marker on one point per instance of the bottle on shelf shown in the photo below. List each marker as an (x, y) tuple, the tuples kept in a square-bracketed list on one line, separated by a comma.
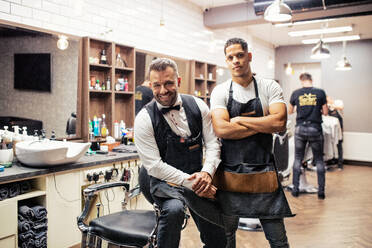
[(95, 126), (117, 86), (108, 84), (119, 61), (122, 128), (103, 59), (116, 130), (104, 130), (103, 86), (126, 85), (97, 85)]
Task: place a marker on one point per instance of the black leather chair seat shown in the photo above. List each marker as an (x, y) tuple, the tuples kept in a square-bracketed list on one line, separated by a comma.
[(132, 228)]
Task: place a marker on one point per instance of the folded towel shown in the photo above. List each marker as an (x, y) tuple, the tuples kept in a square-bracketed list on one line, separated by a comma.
[(26, 235), (28, 244), (21, 218), (24, 226), (24, 186), (40, 240), (4, 192), (39, 227), (39, 212), (14, 190), (26, 212)]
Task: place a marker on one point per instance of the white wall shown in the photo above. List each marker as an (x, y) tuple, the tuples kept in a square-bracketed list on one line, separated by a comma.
[(136, 23)]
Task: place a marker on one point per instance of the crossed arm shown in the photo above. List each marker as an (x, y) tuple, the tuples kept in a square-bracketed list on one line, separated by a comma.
[(241, 127)]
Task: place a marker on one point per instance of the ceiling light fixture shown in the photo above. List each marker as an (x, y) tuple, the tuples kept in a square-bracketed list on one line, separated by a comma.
[(320, 31), (298, 23), (343, 64), (162, 30), (278, 11), (332, 39), (320, 51), (62, 42)]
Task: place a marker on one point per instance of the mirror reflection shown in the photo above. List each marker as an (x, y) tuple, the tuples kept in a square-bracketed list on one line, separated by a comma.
[(39, 81)]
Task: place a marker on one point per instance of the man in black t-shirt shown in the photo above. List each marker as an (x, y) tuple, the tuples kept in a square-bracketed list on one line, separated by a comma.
[(310, 103), (143, 95)]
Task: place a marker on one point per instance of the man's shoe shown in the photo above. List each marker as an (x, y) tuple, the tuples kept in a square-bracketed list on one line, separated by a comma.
[(321, 195), (295, 193)]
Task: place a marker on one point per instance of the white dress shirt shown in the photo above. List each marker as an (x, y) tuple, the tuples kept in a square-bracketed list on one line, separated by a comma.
[(148, 151)]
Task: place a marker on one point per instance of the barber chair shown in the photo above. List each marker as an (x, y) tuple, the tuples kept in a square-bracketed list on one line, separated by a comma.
[(125, 229), (71, 124), (281, 156)]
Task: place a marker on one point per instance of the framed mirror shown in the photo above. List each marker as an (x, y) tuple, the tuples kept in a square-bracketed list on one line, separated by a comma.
[(40, 85)]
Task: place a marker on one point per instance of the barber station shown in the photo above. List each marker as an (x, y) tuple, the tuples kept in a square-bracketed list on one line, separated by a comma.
[(185, 124)]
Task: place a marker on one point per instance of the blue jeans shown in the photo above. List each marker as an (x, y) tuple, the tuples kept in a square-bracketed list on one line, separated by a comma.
[(274, 230), (170, 223), (313, 136)]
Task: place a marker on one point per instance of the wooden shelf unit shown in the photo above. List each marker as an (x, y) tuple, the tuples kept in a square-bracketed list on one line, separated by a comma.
[(116, 105), (203, 79)]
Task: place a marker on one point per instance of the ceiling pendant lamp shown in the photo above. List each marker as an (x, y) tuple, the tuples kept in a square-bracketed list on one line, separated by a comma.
[(278, 11), (320, 51), (343, 64)]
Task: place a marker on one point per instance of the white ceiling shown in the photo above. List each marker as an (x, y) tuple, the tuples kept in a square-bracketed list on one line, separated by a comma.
[(278, 36)]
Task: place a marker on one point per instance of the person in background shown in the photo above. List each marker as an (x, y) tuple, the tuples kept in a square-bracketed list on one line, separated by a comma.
[(143, 95), (335, 108), (309, 103), (246, 110), (169, 134)]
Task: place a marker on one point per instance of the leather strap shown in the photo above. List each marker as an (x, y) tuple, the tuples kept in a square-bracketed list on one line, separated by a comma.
[(261, 182)]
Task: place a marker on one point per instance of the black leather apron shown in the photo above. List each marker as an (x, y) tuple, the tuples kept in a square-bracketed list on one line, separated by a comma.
[(185, 154), (247, 178)]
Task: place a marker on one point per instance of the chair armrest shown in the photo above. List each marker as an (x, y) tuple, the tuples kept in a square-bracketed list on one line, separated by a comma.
[(97, 187), (88, 195)]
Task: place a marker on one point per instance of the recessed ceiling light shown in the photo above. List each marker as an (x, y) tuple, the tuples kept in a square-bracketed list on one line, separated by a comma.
[(332, 39), (320, 31)]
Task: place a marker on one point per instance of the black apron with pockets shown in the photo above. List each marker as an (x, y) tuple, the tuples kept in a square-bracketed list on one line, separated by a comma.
[(185, 154), (251, 155)]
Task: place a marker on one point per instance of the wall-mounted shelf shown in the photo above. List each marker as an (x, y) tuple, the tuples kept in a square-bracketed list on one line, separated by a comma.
[(105, 99), (203, 79)]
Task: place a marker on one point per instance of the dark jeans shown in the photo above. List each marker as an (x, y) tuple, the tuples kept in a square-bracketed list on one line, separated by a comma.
[(313, 136), (170, 224), (274, 230), (340, 154)]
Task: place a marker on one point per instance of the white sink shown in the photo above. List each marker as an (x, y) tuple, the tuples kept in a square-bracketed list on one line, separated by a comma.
[(48, 153)]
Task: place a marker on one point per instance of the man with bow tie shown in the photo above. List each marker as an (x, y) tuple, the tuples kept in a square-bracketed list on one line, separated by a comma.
[(170, 133)]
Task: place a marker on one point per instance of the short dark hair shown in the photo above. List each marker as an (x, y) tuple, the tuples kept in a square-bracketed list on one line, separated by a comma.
[(161, 64), (305, 76), (233, 41)]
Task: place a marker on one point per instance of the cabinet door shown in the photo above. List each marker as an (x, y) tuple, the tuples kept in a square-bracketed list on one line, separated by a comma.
[(64, 205), (9, 242), (8, 215)]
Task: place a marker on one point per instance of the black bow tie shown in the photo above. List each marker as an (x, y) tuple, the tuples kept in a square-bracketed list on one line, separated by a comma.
[(166, 110)]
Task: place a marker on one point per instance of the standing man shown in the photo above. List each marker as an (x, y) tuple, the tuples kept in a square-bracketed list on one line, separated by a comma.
[(309, 102), (169, 135), (246, 110), (143, 95)]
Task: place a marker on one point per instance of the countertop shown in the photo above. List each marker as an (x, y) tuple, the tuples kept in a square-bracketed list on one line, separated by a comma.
[(20, 172)]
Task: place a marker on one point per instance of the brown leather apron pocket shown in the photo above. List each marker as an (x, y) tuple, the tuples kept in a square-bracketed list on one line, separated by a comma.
[(260, 182)]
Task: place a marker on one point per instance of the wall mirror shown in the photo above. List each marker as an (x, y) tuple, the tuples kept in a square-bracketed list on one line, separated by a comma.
[(29, 57)]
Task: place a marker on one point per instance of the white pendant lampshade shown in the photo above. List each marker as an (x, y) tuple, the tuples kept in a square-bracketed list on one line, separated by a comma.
[(320, 51), (343, 64), (278, 11)]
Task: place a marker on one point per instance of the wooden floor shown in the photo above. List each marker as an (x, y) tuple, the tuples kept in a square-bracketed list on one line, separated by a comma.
[(342, 220)]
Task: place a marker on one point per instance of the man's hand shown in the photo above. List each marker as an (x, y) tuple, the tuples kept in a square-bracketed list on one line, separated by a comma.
[(202, 182), (210, 193), (235, 119)]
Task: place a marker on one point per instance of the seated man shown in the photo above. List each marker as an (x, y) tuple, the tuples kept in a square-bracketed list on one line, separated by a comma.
[(169, 134)]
